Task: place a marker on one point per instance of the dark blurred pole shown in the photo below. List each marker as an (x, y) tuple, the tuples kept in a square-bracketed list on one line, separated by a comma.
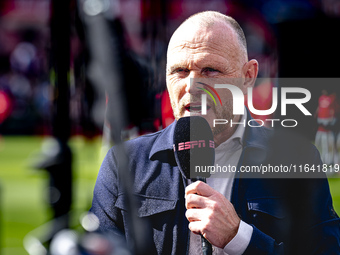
[(106, 71), (59, 163), (60, 40), (154, 26)]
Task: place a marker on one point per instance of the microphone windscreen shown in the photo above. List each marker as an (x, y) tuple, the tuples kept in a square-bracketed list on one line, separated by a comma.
[(194, 147)]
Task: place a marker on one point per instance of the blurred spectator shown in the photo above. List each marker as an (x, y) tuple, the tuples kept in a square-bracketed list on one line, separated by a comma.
[(23, 58), (5, 105), (324, 139)]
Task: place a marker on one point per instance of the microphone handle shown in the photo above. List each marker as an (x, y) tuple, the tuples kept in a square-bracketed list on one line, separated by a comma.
[(206, 246)]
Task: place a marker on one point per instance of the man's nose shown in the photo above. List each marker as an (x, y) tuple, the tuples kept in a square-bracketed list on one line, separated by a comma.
[(191, 83)]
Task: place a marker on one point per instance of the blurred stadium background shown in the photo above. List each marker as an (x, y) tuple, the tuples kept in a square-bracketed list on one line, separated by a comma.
[(292, 38)]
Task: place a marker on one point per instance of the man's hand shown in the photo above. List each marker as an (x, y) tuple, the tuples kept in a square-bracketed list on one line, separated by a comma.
[(210, 214)]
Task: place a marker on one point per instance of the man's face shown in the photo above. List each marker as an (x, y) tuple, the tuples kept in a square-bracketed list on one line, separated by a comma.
[(203, 55)]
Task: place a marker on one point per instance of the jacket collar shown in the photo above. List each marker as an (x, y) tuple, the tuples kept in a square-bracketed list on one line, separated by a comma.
[(164, 142)]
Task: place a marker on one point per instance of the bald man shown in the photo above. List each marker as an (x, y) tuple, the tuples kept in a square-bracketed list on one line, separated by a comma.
[(236, 215)]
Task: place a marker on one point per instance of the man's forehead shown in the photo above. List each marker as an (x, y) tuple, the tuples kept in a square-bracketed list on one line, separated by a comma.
[(191, 35), (203, 60)]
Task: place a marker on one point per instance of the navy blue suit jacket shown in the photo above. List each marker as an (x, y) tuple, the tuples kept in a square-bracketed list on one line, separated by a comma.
[(289, 216)]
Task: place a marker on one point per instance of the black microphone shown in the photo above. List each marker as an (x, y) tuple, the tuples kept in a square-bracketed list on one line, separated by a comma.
[(194, 151)]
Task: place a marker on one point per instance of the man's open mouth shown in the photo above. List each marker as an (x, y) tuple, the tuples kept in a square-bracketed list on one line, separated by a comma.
[(195, 108)]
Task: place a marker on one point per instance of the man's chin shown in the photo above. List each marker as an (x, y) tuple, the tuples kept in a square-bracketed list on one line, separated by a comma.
[(188, 114), (217, 130)]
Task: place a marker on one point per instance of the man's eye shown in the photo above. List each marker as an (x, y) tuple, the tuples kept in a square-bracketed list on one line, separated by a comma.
[(180, 71), (209, 71)]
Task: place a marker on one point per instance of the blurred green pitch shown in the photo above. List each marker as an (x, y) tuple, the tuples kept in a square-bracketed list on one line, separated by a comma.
[(23, 189)]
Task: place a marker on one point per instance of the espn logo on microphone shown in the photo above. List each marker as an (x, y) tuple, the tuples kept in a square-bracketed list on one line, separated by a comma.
[(194, 144)]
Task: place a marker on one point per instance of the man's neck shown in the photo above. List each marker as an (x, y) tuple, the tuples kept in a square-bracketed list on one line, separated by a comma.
[(225, 134)]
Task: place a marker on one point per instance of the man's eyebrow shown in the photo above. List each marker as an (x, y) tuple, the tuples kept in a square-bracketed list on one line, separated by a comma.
[(174, 67), (214, 66)]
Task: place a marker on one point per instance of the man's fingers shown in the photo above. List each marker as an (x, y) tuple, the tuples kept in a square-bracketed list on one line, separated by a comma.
[(199, 228), (195, 227), (193, 215), (210, 214), (195, 201), (199, 188)]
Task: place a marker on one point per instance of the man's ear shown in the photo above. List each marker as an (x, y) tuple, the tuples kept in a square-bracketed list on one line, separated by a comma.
[(250, 70)]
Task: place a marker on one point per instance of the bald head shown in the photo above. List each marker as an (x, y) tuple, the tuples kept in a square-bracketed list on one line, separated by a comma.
[(208, 20)]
